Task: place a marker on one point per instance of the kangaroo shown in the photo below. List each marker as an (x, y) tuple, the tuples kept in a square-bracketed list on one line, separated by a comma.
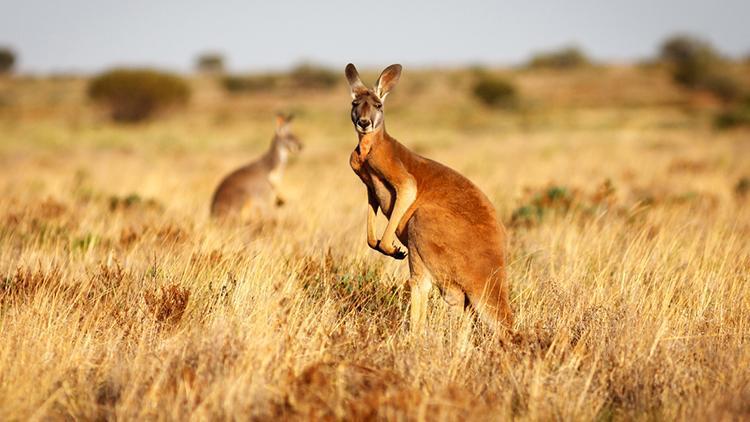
[(254, 188), (448, 225)]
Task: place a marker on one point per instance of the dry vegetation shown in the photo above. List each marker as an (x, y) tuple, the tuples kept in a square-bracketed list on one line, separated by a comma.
[(629, 224)]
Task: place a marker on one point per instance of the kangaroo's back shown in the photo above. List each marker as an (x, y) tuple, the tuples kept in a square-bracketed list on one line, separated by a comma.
[(238, 189)]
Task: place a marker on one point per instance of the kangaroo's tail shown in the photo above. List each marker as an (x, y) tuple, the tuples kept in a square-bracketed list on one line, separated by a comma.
[(490, 300)]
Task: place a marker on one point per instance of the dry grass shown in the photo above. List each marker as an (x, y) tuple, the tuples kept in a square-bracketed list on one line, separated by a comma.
[(120, 300)]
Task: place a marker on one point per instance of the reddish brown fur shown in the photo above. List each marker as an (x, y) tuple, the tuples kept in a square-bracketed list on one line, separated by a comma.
[(453, 236)]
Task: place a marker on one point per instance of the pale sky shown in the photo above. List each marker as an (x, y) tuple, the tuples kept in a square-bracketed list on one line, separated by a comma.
[(81, 35)]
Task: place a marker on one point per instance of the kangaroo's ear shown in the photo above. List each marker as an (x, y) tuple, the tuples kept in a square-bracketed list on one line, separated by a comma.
[(387, 80), (354, 82), (282, 123)]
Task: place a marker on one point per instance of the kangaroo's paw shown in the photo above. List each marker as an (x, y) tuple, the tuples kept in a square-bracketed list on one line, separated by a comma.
[(394, 251), (374, 244)]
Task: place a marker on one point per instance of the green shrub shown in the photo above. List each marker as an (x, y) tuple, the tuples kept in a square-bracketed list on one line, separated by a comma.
[(7, 59), (692, 60), (736, 116), (565, 58), (210, 63), (496, 92), (313, 77), (693, 73), (236, 84), (686, 49), (561, 200), (724, 86), (543, 202), (742, 188), (696, 65), (134, 95), (305, 76)]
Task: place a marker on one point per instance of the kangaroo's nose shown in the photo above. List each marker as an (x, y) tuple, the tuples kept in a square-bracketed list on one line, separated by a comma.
[(363, 123)]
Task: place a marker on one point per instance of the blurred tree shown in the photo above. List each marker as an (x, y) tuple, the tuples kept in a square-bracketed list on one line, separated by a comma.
[(692, 59), (243, 84), (210, 63), (683, 48), (564, 58), (310, 76), (7, 59), (695, 64)]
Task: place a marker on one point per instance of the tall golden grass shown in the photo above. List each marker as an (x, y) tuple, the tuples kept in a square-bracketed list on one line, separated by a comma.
[(629, 260)]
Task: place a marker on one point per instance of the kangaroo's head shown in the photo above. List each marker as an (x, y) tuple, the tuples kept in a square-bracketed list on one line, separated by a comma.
[(284, 137), (367, 104)]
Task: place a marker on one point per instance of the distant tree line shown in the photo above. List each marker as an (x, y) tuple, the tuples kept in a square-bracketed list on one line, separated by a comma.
[(132, 95), (570, 57), (305, 76)]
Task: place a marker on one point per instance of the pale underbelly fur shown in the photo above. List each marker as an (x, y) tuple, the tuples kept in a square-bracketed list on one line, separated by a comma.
[(385, 198)]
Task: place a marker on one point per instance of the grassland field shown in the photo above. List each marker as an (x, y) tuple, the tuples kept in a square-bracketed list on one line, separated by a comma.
[(629, 258)]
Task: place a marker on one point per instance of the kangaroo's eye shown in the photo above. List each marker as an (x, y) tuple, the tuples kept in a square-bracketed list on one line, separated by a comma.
[(378, 105)]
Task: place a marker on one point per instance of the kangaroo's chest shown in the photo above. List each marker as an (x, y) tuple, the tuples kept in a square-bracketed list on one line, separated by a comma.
[(383, 191), (274, 176)]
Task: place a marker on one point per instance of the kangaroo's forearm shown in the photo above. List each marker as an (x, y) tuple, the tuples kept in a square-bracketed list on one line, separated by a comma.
[(406, 194)]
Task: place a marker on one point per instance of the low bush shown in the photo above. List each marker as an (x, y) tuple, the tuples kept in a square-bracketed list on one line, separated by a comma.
[(696, 65), (7, 59), (738, 116), (683, 48), (724, 86), (235, 84), (168, 304), (496, 92), (134, 95), (541, 203), (564, 58), (210, 63), (692, 73), (313, 77), (304, 76), (742, 188)]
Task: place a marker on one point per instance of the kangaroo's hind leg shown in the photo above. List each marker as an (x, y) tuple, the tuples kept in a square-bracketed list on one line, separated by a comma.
[(420, 284), (455, 298), (459, 306)]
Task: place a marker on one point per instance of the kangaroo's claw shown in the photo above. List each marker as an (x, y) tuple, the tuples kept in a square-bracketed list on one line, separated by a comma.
[(399, 253)]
